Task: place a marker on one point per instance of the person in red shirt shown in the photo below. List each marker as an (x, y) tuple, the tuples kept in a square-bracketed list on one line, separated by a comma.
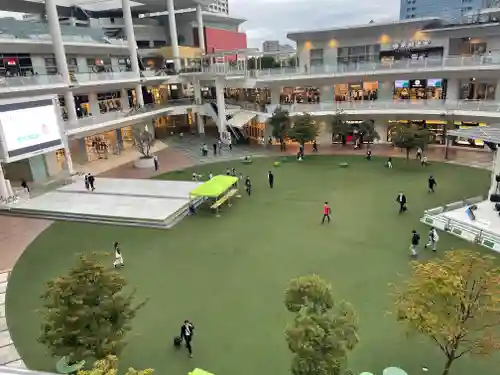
[(326, 213)]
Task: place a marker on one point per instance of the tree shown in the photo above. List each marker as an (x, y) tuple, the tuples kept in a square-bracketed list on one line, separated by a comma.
[(409, 137), (280, 122), (291, 61), (305, 290), (368, 131), (322, 331), (339, 127), (109, 366), (143, 140), (454, 301), (86, 313), (304, 129)]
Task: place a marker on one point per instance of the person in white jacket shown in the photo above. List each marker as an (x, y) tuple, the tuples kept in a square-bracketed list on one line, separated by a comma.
[(118, 256), (433, 239)]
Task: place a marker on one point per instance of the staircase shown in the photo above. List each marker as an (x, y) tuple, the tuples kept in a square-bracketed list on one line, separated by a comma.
[(213, 111)]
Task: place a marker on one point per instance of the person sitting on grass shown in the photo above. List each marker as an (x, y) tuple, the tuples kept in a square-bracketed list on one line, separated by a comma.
[(388, 164), (369, 154)]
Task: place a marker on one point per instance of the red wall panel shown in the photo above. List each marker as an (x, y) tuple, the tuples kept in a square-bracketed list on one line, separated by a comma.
[(224, 40)]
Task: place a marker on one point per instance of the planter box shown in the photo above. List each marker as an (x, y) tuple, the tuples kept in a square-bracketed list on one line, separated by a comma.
[(144, 163)]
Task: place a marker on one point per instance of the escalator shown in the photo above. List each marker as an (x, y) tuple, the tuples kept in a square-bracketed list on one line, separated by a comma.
[(238, 136)]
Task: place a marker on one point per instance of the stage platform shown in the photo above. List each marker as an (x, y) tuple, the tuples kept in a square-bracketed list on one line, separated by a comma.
[(144, 203), (454, 219)]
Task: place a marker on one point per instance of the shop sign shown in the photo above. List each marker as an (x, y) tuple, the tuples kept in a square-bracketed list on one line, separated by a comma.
[(418, 83), (408, 44)]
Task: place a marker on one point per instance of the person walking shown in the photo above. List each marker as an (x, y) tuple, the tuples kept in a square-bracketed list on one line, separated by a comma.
[(315, 146), (418, 155), (91, 180), (389, 163), (415, 239), (248, 186), (214, 146), (87, 185), (118, 256), (187, 331), (401, 199), (326, 213), (431, 183), (270, 178), (157, 164), (433, 239)]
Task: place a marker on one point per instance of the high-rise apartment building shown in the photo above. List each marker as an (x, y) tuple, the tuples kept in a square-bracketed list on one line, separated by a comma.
[(219, 6), (451, 10)]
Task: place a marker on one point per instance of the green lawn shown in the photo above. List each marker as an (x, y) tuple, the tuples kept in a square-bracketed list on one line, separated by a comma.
[(228, 274)]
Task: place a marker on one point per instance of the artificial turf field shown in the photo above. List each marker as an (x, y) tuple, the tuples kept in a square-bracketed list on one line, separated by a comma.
[(228, 274)]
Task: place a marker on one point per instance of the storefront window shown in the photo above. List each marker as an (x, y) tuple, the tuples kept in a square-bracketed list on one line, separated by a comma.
[(356, 91), (15, 65), (417, 89), (474, 90)]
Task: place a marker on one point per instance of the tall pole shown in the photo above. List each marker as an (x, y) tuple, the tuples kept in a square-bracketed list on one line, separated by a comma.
[(173, 34), (201, 33), (60, 53), (132, 48)]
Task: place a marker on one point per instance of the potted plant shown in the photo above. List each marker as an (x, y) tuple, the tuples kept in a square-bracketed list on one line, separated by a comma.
[(143, 142)]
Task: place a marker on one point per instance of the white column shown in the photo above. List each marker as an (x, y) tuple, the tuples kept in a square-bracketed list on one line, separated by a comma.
[(138, 95), (385, 90), (124, 100), (452, 87), (201, 33), (198, 100), (326, 94), (495, 171), (3, 185), (275, 96), (132, 47), (60, 53), (94, 104), (221, 106), (381, 128), (173, 34), (497, 91), (10, 192)]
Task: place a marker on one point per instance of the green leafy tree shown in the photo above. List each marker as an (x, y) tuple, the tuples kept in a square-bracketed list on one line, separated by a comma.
[(409, 137), (369, 132), (455, 302), (339, 127), (109, 366), (280, 123), (304, 129), (86, 313), (323, 331)]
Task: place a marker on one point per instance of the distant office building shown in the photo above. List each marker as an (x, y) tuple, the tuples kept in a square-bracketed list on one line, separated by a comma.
[(270, 46), (219, 6), (451, 10)]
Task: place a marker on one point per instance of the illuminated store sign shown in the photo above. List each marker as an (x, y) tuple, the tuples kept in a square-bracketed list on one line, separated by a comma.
[(408, 44)]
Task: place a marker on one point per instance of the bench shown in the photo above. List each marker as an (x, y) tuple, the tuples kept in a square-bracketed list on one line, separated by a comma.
[(225, 198)]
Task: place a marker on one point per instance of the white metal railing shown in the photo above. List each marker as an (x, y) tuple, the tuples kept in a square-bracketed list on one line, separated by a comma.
[(435, 218), (35, 80), (429, 104), (108, 76), (452, 63)]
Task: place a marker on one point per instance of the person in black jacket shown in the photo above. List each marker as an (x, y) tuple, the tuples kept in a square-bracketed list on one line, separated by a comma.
[(401, 199), (415, 239), (270, 178), (431, 183), (187, 331)]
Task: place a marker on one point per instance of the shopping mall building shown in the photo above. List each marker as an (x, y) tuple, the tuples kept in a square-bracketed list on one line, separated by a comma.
[(74, 79)]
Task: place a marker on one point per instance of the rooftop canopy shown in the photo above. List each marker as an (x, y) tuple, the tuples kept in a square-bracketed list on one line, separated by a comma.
[(214, 187), (483, 133)]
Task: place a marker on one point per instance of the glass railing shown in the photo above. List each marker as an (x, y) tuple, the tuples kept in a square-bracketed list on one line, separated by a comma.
[(108, 76), (438, 105), (35, 80), (410, 65)]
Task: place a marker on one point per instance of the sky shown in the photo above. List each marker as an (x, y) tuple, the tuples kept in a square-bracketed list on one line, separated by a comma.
[(273, 19)]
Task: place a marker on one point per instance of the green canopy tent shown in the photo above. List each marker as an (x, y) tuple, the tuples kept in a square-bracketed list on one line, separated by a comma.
[(221, 188), (215, 187)]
